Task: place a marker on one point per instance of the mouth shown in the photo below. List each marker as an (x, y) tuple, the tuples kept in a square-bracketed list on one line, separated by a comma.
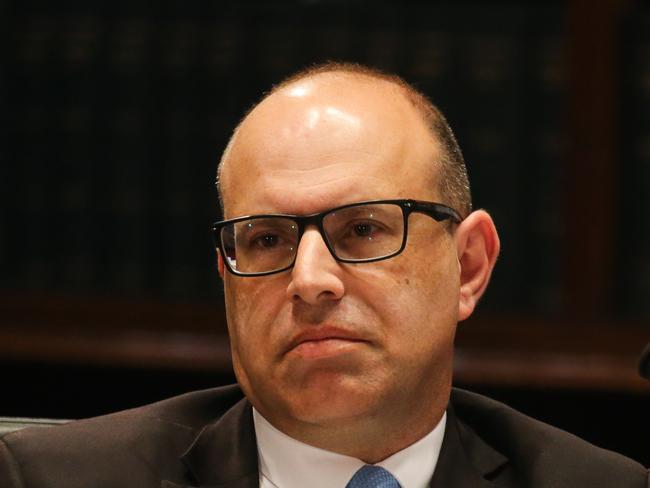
[(324, 342)]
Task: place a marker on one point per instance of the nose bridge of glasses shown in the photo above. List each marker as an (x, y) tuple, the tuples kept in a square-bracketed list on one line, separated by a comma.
[(313, 222)]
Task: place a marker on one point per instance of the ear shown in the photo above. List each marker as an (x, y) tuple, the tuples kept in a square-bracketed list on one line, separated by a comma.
[(477, 247), (220, 263)]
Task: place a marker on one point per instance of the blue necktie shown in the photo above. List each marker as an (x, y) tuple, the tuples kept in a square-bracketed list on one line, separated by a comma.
[(372, 477)]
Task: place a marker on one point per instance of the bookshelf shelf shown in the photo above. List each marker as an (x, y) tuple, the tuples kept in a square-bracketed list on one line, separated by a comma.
[(491, 351), (525, 352)]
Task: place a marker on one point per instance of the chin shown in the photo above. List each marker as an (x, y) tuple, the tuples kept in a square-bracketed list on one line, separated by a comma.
[(332, 402)]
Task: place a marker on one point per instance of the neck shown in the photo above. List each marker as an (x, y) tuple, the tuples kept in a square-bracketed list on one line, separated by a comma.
[(370, 438)]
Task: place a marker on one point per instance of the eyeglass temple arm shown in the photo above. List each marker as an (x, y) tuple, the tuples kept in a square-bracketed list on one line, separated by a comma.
[(436, 210)]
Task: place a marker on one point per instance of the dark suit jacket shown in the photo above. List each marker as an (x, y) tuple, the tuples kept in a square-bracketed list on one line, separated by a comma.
[(207, 439)]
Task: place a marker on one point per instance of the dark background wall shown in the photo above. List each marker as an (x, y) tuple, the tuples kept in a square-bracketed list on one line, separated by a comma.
[(116, 114)]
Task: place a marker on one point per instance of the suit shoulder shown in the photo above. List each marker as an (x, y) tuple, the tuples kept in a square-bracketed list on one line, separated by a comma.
[(189, 411), (151, 435), (192, 410), (540, 451)]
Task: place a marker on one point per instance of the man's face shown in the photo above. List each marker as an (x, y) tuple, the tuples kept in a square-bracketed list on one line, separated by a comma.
[(326, 343)]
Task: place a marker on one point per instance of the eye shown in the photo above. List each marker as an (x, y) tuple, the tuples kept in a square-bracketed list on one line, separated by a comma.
[(266, 240), (364, 230)]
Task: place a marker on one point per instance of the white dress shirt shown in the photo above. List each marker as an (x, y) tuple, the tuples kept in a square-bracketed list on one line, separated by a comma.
[(285, 462)]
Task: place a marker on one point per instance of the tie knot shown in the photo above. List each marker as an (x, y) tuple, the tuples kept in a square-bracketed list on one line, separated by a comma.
[(372, 477)]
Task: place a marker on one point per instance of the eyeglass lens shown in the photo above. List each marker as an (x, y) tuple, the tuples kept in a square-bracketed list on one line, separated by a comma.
[(360, 232)]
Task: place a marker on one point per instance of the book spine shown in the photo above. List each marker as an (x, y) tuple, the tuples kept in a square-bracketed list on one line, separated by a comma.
[(76, 157), (634, 241), (33, 235), (544, 223), (128, 165)]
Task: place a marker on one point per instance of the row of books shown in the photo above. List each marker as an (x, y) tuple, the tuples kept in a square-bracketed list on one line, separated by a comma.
[(634, 177), (117, 123)]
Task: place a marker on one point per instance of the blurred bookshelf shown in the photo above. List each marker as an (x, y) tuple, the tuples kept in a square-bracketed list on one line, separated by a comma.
[(117, 117)]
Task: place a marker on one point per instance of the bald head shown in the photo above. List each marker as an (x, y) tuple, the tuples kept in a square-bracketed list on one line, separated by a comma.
[(342, 99)]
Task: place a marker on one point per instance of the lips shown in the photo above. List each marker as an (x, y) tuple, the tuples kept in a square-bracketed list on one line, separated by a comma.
[(325, 336)]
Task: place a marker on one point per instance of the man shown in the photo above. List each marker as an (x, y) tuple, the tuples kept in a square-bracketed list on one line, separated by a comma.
[(349, 254)]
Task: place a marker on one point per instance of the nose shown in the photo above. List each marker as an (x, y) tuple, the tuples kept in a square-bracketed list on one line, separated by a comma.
[(315, 276)]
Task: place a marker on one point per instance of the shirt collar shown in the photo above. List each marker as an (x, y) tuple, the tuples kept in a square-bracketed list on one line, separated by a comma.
[(288, 463)]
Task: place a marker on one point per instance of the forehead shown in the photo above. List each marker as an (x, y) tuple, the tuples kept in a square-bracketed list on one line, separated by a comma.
[(327, 141)]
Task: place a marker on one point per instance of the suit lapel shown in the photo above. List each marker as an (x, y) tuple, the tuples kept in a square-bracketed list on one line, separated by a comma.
[(224, 454), (465, 459)]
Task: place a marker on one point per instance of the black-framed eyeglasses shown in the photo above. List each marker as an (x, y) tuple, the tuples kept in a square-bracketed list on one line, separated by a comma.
[(364, 232)]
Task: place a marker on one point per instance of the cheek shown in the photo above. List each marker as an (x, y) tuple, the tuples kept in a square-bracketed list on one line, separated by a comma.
[(416, 296), (433, 265), (252, 307)]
